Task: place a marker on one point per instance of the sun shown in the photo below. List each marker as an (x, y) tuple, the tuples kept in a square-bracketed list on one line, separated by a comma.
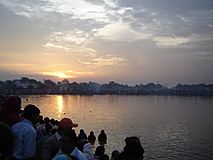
[(62, 75), (58, 74)]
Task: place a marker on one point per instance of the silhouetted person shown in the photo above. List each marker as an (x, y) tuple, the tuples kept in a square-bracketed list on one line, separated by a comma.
[(91, 138), (115, 154), (6, 142), (102, 138), (82, 135), (100, 151), (9, 112), (133, 149)]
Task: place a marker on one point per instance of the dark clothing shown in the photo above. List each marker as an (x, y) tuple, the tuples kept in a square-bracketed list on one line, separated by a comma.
[(91, 139), (82, 136), (50, 148), (102, 138), (124, 156)]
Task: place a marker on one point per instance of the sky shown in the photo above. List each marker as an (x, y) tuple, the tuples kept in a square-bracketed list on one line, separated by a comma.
[(126, 41)]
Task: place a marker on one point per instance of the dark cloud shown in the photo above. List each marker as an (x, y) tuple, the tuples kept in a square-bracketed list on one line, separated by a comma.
[(169, 6), (171, 17)]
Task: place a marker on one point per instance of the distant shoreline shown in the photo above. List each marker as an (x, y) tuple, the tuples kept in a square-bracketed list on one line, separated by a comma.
[(66, 94), (26, 86)]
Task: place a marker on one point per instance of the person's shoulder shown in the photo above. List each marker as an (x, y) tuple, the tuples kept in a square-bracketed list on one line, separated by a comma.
[(61, 157), (51, 140), (77, 153), (19, 125)]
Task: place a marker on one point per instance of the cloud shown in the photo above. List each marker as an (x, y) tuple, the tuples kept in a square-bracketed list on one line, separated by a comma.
[(120, 31), (175, 41), (107, 60), (76, 9), (75, 41), (27, 9), (169, 41), (51, 45)]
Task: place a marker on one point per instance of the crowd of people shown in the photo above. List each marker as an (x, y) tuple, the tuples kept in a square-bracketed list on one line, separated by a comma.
[(26, 135)]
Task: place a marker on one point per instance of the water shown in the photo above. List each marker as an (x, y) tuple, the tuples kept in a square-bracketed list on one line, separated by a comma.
[(170, 128)]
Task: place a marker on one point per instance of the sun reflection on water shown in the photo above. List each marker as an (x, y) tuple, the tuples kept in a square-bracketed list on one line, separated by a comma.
[(60, 105)]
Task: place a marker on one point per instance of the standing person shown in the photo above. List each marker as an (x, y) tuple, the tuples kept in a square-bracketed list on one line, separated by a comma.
[(102, 138), (52, 145), (100, 153), (6, 142), (133, 149), (82, 135), (10, 111), (25, 134), (115, 154), (91, 138), (68, 147)]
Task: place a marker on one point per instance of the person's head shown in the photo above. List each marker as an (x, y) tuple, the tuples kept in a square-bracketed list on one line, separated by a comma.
[(133, 147), (6, 140), (65, 125), (13, 104), (100, 151), (91, 138), (46, 120), (82, 131), (41, 120), (115, 154), (52, 121), (68, 141), (102, 132), (48, 128), (31, 112)]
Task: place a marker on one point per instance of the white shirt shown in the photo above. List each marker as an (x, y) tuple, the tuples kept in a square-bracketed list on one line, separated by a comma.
[(25, 139), (76, 153), (88, 151)]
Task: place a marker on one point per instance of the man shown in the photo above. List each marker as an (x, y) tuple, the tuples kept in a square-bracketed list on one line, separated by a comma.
[(52, 145), (68, 147), (6, 142), (25, 134), (10, 111), (133, 149), (102, 138)]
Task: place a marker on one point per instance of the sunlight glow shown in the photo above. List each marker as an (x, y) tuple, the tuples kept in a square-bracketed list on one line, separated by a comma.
[(58, 74), (62, 75), (60, 105)]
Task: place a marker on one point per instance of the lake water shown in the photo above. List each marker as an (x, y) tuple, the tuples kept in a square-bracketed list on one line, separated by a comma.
[(170, 127)]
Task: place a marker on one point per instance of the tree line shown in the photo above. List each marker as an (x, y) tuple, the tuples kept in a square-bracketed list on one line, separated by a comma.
[(32, 86)]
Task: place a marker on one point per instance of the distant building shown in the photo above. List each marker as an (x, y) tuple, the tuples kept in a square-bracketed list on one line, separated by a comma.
[(19, 83)]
